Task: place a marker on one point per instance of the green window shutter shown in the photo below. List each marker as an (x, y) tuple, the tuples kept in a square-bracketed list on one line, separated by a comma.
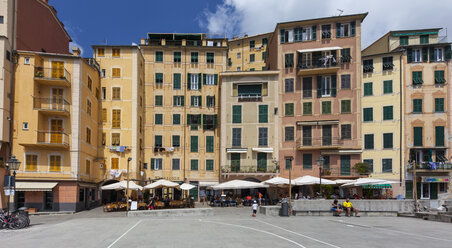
[(152, 164), (307, 108), (188, 80), (215, 121), (176, 81), (174, 100), (387, 86), (417, 133), (176, 141), (333, 85), (439, 136), (314, 32), (237, 114), (387, 140), (215, 79), (182, 100), (192, 100), (199, 81), (209, 165), (448, 52), (368, 141), (319, 86), (263, 55), (338, 30), (345, 106), (263, 113), (200, 101), (368, 114), (345, 165), (194, 144), (209, 144), (417, 105), (289, 111), (194, 164), (188, 119), (204, 122), (409, 55), (368, 89), (424, 54), (307, 161), (439, 104), (432, 53), (282, 36), (353, 28), (388, 113), (326, 107), (204, 79), (176, 119)]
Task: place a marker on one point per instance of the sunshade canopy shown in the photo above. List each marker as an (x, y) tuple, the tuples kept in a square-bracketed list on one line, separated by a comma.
[(368, 181), (122, 185), (239, 184), (278, 181), (186, 186), (162, 183), (310, 180)]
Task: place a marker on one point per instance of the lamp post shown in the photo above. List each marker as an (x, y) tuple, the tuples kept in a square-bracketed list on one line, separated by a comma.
[(290, 185), (127, 189), (320, 164), (13, 164)]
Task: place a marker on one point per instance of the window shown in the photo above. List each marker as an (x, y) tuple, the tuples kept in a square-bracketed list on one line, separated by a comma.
[(114, 163), (210, 79), (307, 87), (439, 105), (115, 139), (116, 72), (237, 114), (346, 106), (27, 60), (307, 161), (388, 113), (194, 144), (156, 163), (326, 87), (368, 65), (158, 119), (368, 114), (196, 101), (306, 34), (55, 163), (288, 163), (289, 109), (307, 136), (264, 41), (263, 136), (177, 57), (345, 81), (176, 119), (387, 141), (346, 56), (264, 54), (88, 135), (159, 78), (103, 72), (403, 40), (417, 136), (2, 20), (210, 58), (116, 93), (289, 134), (289, 85), (424, 39), (194, 164), (176, 141), (326, 107), (439, 77), (116, 52), (176, 164), (368, 89), (158, 56), (90, 83), (209, 165), (31, 162), (368, 141), (307, 108), (387, 165), (438, 54), (88, 107), (158, 100), (210, 101), (306, 61), (25, 125), (289, 60), (194, 121), (387, 64), (252, 43), (417, 105), (252, 57), (326, 162), (326, 31), (194, 82), (439, 136), (238, 68), (237, 137), (417, 78), (178, 101), (369, 163), (177, 81), (416, 55), (116, 118), (239, 55), (87, 167), (209, 144), (263, 113), (194, 57), (387, 87), (346, 131), (342, 30)]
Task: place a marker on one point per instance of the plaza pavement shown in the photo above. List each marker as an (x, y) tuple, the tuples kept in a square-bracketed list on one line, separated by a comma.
[(229, 227)]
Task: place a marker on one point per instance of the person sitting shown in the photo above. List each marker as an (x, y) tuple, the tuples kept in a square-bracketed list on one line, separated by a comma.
[(151, 203), (349, 208), (335, 208)]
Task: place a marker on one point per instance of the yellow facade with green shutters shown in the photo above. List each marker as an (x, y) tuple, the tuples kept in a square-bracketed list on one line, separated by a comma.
[(248, 53)]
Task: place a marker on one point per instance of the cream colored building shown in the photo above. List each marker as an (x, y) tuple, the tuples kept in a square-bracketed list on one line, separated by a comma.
[(249, 125), (122, 96), (248, 53)]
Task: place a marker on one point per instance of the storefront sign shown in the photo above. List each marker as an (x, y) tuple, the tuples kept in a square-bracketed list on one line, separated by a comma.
[(169, 178), (435, 179)]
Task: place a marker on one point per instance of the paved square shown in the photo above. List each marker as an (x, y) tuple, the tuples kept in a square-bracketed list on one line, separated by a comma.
[(229, 227)]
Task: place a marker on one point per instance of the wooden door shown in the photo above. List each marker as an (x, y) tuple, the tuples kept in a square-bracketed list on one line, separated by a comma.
[(57, 69), (57, 98), (56, 131)]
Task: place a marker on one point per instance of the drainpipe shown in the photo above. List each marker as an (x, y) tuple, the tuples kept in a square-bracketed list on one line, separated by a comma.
[(11, 96), (401, 116)]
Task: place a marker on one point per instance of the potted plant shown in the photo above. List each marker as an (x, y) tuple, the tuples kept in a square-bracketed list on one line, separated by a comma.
[(362, 168)]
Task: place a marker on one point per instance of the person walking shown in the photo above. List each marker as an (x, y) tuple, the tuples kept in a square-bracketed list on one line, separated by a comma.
[(255, 205)]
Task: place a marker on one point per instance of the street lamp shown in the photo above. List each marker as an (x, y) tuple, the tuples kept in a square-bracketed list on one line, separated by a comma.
[(127, 189), (290, 185), (13, 164), (320, 164)]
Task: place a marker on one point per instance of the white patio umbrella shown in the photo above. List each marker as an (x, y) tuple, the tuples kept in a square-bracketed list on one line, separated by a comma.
[(162, 183), (186, 186), (239, 184), (278, 181), (310, 180), (122, 185), (368, 181), (344, 181)]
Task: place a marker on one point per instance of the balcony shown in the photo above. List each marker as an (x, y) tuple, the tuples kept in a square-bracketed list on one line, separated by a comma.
[(431, 167), (319, 143), (53, 140), (51, 106), (248, 169), (52, 76), (250, 98)]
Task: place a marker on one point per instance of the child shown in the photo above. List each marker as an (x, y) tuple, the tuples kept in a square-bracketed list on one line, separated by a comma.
[(254, 208)]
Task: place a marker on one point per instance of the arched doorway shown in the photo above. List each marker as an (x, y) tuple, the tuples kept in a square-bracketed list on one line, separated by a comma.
[(110, 195)]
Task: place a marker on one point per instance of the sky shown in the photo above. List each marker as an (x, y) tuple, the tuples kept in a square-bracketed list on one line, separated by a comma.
[(119, 22)]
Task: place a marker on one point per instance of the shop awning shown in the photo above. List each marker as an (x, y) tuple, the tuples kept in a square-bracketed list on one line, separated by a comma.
[(259, 149), (35, 186), (378, 186), (317, 123), (236, 150), (319, 49), (342, 152), (207, 183)]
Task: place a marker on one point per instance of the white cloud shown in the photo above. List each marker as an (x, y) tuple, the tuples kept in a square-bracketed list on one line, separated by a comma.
[(73, 31), (234, 17)]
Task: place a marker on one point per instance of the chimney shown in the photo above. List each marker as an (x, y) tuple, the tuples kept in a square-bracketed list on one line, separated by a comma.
[(76, 51), (143, 42)]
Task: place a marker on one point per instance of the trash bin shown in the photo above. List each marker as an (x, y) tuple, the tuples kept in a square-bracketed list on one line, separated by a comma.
[(284, 209)]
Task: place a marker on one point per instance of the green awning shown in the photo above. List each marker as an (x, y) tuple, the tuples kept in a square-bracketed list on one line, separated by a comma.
[(377, 186)]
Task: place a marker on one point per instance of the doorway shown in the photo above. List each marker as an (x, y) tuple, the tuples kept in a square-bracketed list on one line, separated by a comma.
[(56, 134), (57, 99)]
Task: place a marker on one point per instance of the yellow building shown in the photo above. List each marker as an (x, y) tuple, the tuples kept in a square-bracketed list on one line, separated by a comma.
[(55, 131), (248, 53), (181, 107), (122, 95)]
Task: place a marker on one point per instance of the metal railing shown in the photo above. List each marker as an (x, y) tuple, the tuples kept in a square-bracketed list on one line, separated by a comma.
[(250, 98), (52, 73), (431, 166), (326, 141), (53, 137), (52, 104), (248, 169), (320, 63)]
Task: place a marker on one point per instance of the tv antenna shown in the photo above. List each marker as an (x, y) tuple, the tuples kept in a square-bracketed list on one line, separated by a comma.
[(341, 11)]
